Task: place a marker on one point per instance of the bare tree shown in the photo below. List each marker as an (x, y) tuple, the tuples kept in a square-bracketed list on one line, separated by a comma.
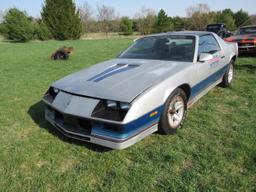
[(199, 16), (105, 16), (253, 19), (86, 12), (145, 20)]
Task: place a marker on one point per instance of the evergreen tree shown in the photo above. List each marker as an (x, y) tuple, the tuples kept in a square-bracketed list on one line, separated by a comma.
[(242, 18), (17, 26), (41, 31), (163, 22), (62, 19), (226, 16), (126, 26), (178, 21)]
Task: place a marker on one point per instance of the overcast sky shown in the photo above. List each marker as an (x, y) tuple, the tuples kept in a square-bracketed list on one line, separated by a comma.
[(130, 7)]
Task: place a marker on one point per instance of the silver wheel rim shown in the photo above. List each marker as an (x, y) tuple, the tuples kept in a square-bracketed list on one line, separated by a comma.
[(176, 111), (230, 73)]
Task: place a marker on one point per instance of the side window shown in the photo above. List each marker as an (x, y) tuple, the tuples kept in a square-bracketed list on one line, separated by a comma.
[(208, 44)]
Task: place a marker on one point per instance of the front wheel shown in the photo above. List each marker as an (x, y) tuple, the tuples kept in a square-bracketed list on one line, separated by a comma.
[(174, 113), (228, 76)]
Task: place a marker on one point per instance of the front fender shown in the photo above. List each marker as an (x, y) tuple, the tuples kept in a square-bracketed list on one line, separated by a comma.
[(153, 99)]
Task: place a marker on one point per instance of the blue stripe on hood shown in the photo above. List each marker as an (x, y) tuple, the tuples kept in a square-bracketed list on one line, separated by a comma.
[(112, 71), (104, 72)]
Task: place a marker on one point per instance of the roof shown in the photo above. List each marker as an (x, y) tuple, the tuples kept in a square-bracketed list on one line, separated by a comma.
[(196, 33), (188, 33)]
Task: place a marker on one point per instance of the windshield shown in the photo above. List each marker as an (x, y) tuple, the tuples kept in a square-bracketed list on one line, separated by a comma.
[(170, 48), (246, 31)]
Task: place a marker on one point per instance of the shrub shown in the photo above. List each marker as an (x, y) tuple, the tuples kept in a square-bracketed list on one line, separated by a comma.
[(17, 26), (126, 26), (41, 31)]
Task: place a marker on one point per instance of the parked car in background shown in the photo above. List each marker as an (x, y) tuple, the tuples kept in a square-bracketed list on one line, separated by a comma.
[(148, 88), (180, 28), (245, 37), (220, 29)]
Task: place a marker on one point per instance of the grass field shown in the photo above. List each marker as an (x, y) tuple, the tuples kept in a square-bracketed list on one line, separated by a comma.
[(214, 151), (90, 36)]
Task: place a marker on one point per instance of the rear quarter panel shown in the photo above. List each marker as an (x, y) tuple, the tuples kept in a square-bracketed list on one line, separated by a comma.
[(230, 48)]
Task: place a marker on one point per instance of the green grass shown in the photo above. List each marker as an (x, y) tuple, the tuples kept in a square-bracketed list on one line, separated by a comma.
[(214, 151), (109, 36)]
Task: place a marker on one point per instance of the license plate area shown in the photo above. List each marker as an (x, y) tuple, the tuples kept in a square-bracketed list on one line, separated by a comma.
[(69, 123), (49, 113)]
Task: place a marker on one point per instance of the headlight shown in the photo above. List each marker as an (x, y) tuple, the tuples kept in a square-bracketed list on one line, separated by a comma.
[(55, 90), (112, 104), (111, 110), (51, 94), (125, 106), (118, 105)]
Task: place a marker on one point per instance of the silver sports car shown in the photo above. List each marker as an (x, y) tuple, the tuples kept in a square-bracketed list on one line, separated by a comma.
[(147, 88)]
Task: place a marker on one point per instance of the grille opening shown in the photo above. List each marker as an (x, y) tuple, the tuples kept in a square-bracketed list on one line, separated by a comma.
[(80, 127), (245, 44), (58, 116), (73, 124), (112, 127)]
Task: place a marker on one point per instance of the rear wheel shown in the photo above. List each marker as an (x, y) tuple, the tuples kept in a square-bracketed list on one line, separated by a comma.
[(174, 113), (228, 76)]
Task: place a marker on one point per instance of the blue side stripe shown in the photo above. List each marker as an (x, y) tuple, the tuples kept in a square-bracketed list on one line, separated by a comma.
[(207, 82), (125, 135), (133, 127)]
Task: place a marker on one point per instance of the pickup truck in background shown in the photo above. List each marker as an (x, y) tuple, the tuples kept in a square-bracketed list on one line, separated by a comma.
[(220, 29)]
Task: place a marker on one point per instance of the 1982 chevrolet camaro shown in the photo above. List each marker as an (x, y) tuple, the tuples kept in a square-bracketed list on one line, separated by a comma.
[(148, 88)]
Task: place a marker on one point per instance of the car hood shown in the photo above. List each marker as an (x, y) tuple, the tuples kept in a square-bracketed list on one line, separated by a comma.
[(241, 38), (118, 79)]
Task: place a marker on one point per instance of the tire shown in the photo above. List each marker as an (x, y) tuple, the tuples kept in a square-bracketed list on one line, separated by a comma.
[(228, 76), (172, 118)]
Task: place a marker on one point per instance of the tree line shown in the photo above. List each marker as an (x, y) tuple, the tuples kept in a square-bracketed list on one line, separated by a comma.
[(62, 20)]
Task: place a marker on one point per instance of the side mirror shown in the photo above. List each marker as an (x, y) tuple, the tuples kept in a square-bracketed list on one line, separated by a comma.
[(205, 57)]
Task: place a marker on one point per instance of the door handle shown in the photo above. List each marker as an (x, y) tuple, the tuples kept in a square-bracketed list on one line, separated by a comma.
[(222, 57)]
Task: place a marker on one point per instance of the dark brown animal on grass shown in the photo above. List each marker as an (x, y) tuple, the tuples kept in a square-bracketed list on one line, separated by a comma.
[(62, 53)]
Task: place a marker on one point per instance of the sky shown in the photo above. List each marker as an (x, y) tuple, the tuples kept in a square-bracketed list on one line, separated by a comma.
[(131, 7)]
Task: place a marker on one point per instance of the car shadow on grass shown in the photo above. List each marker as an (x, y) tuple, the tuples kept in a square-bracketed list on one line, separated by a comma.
[(36, 112)]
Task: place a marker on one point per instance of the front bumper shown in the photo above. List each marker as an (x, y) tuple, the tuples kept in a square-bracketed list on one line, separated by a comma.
[(247, 48), (99, 132)]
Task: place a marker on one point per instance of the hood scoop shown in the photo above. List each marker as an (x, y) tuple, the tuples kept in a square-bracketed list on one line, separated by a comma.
[(112, 70)]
